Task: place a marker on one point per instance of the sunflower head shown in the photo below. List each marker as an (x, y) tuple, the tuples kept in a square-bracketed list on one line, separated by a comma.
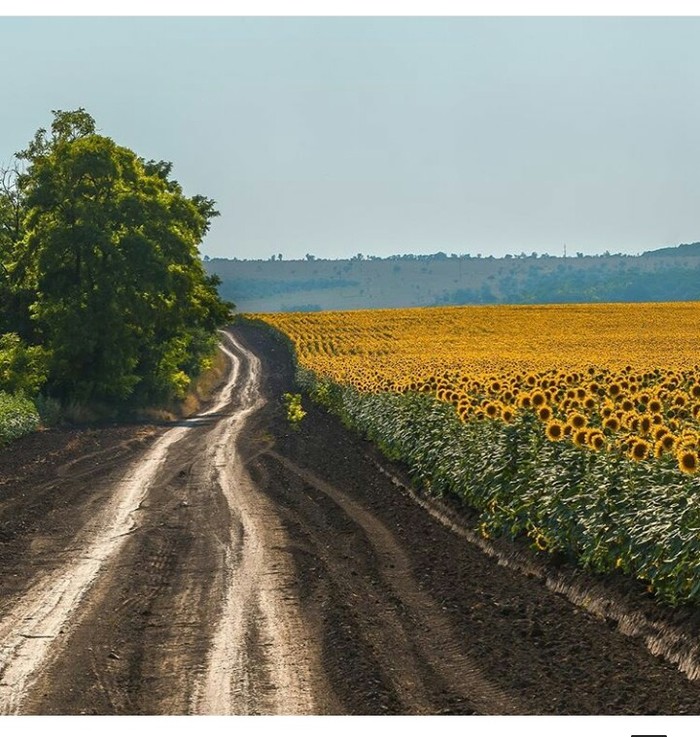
[(668, 441), (555, 431), (589, 403), (688, 461), (596, 440), (612, 424), (632, 422), (645, 423), (660, 431), (627, 405), (639, 449), (580, 437), (689, 439), (654, 406), (577, 420), (544, 413)]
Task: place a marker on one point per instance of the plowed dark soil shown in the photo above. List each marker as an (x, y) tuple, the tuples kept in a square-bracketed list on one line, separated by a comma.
[(398, 614)]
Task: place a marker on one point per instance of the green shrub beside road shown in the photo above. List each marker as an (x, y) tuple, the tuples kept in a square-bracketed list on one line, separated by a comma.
[(18, 416)]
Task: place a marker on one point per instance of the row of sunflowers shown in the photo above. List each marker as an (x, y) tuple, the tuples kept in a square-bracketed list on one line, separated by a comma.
[(577, 425), (621, 376)]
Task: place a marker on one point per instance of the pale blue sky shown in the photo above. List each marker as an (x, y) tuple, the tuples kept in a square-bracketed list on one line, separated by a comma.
[(389, 135)]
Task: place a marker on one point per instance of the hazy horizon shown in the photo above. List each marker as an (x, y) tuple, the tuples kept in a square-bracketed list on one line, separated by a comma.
[(449, 255), (334, 136)]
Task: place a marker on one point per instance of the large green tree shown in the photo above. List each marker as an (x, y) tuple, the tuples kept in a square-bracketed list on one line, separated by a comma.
[(107, 249)]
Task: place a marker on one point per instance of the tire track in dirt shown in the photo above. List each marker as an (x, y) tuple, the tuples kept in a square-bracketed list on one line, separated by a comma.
[(413, 635), (42, 514), (37, 621), (36, 624), (260, 660)]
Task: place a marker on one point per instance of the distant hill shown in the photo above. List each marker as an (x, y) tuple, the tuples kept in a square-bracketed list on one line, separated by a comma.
[(685, 249), (311, 284)]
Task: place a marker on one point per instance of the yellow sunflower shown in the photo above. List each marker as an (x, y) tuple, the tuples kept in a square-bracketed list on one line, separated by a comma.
[(687, 461), (639, 449), (612, 424), (580, 437), (627, 405), (654, 406), (555, 431)]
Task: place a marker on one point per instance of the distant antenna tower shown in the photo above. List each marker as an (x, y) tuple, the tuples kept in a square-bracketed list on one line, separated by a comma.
[(565, 250)]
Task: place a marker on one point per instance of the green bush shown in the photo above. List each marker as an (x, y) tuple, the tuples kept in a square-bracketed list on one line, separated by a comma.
[(18, 416), (295, 412), (50, 410), (23, 368)]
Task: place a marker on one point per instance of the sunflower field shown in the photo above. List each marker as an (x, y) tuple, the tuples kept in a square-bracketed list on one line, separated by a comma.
[(575, 425)]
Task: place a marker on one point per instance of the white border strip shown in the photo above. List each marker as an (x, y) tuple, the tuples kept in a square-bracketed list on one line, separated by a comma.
[(331, 8)]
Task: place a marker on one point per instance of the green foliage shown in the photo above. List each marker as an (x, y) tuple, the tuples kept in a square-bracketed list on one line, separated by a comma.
[(105, 273), (22, 368), (49, 409), (18, 416), (295, 412)]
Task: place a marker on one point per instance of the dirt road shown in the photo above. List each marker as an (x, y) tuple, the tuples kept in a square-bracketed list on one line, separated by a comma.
[(228, 564)]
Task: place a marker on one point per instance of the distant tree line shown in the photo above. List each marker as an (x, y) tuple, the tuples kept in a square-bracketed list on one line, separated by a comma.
[(669, 283)]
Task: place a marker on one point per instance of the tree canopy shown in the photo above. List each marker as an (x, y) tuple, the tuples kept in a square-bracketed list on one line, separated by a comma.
[(99, 265)]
